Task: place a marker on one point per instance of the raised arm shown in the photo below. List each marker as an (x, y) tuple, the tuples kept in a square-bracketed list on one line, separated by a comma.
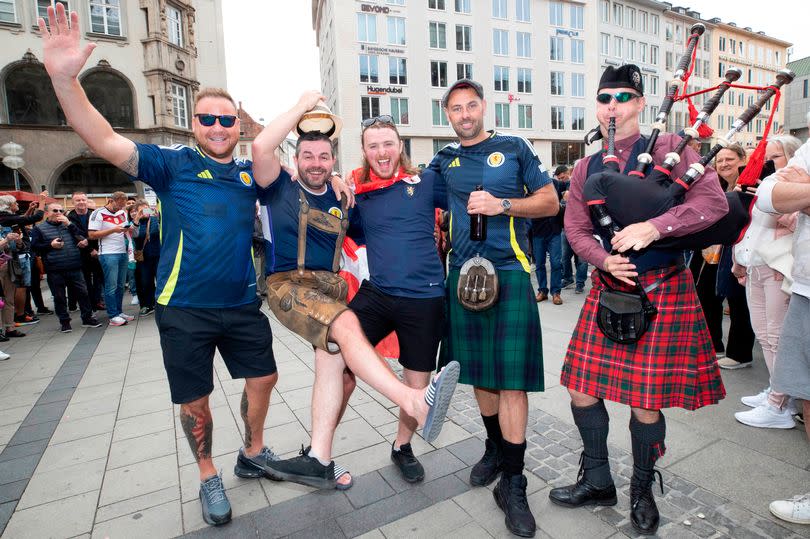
[(64, 58), (266, 165)]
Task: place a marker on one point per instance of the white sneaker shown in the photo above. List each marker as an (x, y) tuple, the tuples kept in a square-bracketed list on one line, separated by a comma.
[(127, 317), (796, 510), (792, 407), (117, 321), (757, 400), (766, 416), (4, 356), (134, 300)]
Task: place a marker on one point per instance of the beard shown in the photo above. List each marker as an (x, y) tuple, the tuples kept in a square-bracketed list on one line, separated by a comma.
[(315, 184)]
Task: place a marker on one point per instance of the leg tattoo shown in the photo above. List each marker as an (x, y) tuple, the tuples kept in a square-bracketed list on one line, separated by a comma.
[(199, 433), (244, 411)]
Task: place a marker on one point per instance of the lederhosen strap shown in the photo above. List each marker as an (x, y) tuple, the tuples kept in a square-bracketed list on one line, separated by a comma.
[(323, 221)]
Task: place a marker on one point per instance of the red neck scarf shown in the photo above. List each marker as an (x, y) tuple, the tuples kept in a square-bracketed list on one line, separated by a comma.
[(375, 182)]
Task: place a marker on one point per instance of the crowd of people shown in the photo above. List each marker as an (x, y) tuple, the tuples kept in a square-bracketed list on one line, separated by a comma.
[(481, 318)]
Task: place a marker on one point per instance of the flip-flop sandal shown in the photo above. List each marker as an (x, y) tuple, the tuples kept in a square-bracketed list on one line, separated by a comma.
[(438, 397), (340, 471)]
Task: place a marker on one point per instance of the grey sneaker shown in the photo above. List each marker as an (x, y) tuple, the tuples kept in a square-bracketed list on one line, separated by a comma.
[(216, 509), (255, 467)]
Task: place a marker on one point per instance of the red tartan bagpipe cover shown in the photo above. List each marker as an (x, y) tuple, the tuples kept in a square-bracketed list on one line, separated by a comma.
[(354, 268)]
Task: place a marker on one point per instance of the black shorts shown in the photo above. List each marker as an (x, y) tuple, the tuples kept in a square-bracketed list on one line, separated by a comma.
[(189, 337), (418, 323)]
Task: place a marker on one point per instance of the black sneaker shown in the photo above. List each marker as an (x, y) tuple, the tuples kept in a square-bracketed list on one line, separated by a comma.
[(216, 509), (3, 338), (510, 495), (44, 311), (487, 469), (410, 468), (303, 469), (25, 320), (15, 333), (73, 309), (66, 326), (254, 467), (146, 311), (91, 323)]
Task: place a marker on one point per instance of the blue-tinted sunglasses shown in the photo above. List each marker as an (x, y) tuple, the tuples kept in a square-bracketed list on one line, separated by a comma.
[(621, 97), (225, 120)]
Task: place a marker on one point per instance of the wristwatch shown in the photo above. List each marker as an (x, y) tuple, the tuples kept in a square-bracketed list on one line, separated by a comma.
[(506, 205)]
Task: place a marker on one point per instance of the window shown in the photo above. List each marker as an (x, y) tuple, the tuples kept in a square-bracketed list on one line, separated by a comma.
[(618, 11), (396, 31), (577, 119), (654, 54), (566, 152), (174, 20), (7, 12), (524, 44), (463, 6), (502, 115), (604, 44), (399, 110), (525, 116), (524, 80), (654, 84), (439, 143), (654, 24), (642, 52), (721, 69), (501, 79), (499, 9), (643, 22), (42, 7), (577, 85), (523, 10), (556, 49), (631, 49), (668, 31), (438, 74), (721, 122), (733, 43), (439, 118), (179, 104), (438, 35), (369, 107), (557, 118), (396, 2), (369, 69), (500, 42), (617, 46), (366, 28), (630, 18), (397, 70), (706, 68), (105, 17), (668, 61), (436, 4), (577, 17), (464, 71), (804, 89), (557, 86), (463, 37), (555, 13), (30, 97), (577, 51)]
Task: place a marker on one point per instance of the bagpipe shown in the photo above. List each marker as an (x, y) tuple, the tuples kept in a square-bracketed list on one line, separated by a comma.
[(617, 200)]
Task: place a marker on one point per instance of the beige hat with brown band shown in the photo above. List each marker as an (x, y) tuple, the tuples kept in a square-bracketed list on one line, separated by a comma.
[(320, 119)]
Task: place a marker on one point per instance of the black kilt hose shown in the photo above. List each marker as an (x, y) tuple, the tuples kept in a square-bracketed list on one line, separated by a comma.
[(673, 365), (500, 348)]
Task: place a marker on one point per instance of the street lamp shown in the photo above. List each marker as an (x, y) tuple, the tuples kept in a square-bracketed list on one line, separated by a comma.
[(12, 158)]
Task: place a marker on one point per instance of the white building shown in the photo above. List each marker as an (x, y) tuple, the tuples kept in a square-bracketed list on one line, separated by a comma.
[(398, 57), (797, 99), (152, 56)]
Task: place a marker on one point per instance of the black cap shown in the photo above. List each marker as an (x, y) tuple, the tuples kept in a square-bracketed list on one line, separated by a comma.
[(458, 85), (626, 76), (562, 169)]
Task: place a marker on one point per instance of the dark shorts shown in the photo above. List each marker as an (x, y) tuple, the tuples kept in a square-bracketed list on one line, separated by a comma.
[(418, 323), (189, 337)]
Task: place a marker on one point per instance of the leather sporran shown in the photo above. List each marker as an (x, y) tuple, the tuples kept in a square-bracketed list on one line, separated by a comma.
[(621, 316), (138, 255), (477, 285)]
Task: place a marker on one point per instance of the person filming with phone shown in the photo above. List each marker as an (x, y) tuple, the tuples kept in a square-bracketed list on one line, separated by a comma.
[(108, 225)]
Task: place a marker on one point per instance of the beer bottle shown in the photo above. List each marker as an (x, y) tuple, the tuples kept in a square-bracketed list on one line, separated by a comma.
[(478, 223)]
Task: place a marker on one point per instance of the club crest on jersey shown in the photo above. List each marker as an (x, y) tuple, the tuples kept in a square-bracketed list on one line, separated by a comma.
[(245, 178), (336, 212), (412, 180), (410, 190), (495, 159)]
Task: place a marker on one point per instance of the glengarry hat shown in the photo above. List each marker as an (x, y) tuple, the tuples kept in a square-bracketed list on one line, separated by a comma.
[(320, 119), (626, 76)]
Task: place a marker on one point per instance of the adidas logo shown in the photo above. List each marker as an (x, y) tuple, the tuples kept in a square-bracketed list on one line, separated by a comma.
[(206, 175), (455, 163)]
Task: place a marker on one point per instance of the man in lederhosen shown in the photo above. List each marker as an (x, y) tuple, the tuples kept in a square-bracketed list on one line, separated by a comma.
[(673, 364)]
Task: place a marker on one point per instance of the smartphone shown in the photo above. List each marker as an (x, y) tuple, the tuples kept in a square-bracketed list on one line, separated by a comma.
[(126, 225)]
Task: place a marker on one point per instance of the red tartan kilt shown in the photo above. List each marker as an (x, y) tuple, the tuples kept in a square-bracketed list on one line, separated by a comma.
[(673, 365)]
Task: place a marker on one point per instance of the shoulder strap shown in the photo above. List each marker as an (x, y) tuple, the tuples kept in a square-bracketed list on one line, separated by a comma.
[(322, 221)]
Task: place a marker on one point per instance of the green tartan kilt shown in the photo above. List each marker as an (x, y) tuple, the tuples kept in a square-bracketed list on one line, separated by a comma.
[(500, 348)]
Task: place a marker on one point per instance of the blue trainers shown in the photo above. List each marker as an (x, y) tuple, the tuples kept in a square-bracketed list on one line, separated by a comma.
[(216, 509)]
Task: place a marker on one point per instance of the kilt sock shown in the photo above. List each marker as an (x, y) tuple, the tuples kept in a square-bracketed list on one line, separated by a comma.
[(593, 424), (493, 429), (513, 457), (648, 446)]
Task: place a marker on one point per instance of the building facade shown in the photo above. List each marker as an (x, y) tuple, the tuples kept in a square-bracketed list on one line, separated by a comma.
[(797, 99), (143, 76)]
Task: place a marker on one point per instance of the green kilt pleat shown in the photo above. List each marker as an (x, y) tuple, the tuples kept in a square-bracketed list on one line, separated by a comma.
[(500, 348)]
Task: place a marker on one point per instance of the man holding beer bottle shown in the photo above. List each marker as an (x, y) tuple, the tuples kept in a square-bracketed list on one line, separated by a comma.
[(495, 183)]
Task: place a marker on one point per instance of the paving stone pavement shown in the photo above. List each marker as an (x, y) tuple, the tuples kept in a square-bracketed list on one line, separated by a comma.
[(91, 446)]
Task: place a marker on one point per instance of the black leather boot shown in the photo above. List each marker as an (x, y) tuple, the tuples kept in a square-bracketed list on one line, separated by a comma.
[(584, 492), (487, 469), (510, 495), (648, 446)]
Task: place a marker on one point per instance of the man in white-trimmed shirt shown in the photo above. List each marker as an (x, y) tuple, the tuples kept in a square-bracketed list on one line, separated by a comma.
[(108, 225)]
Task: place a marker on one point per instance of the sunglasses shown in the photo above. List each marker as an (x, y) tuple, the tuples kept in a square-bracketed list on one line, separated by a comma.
[(384, 119), (225, 120), (57, 211), (621, 97)]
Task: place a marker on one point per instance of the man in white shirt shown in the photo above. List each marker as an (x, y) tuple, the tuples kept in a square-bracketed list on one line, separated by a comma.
[(108, 225)]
